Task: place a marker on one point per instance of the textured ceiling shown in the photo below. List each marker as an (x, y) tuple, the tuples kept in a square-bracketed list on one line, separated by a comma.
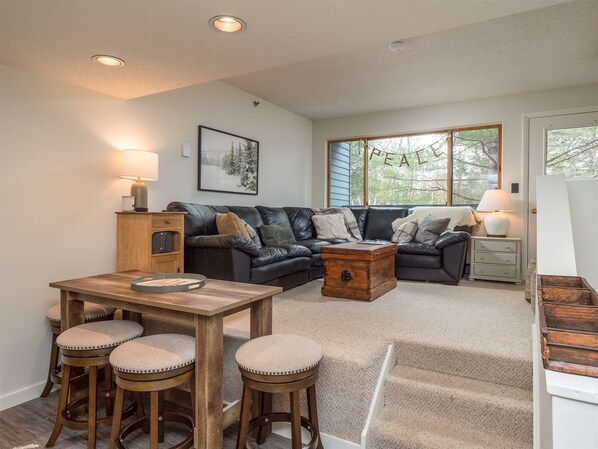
[(319, 58)]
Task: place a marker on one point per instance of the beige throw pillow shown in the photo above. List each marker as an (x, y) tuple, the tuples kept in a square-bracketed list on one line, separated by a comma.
[(331, 226), (230, 223), (405, 232)]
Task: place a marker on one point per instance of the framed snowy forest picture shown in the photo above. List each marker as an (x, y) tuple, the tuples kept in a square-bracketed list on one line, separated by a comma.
[(227, 163)]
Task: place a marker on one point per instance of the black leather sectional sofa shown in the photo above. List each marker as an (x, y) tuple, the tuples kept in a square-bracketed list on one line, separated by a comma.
[(235, 258)]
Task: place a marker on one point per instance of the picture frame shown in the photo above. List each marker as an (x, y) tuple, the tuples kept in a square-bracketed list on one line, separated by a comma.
[(228, 163)]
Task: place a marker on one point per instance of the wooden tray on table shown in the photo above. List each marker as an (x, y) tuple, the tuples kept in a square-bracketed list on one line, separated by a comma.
[(568, 308)]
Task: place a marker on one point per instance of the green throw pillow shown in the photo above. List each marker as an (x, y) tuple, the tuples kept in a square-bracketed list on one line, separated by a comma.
[(430, 228), (277, 234)]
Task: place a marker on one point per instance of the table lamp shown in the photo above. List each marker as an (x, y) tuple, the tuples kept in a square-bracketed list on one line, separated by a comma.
[(140, 166), (496, 201)]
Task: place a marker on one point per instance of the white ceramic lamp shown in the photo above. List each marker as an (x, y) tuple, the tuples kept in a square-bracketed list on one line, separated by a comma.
[(496, 201), (140, 166)]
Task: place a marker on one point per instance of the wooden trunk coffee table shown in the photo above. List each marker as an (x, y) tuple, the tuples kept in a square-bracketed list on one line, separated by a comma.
[(362, 271)]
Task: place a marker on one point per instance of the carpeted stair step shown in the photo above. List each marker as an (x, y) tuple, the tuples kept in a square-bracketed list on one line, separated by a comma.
[(467, 403), (408, 430), (486, 366)]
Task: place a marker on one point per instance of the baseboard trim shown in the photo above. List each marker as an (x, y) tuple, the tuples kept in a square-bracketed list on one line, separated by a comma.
[(378, 399), (328, 441), (23, 395)]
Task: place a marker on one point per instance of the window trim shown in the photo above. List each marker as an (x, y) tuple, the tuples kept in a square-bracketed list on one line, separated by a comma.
[(448, 131)]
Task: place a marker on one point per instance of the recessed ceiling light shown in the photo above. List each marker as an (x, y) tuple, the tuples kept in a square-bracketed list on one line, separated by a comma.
[(111, 61), (228, 24), (396, 45)]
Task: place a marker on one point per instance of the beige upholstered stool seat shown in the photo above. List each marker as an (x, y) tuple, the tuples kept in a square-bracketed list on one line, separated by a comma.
[(91, 312), (88, 346), (99, 335), (153, 364), (154, 354), (279, 364), (279, 354)]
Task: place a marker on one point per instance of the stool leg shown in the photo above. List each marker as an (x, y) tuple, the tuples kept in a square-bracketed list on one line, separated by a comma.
[(154, 420), (108, 389), (53, 367), (295, 420), (160, 417), (245, 417), (93, 397), (117, 417), (266, 409), (62, 401), (312, 407)]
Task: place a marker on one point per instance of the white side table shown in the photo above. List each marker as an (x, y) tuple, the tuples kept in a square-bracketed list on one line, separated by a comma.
[(495, 259)]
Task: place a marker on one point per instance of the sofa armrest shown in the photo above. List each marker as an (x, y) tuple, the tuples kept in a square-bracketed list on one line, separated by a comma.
[(223, 241), (450, 238)]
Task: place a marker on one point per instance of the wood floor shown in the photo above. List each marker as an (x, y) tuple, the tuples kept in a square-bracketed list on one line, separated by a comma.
[(31, 423)]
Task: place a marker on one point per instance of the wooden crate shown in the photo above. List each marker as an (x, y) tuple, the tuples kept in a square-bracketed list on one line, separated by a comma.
[(358, 270), (568, 308)]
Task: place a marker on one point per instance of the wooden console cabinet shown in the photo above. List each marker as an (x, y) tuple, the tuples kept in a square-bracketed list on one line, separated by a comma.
[(134, 237)]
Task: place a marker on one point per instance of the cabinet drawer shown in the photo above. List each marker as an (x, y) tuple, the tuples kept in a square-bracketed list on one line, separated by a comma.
[(493, 245), (496, 258), (494, 270), (166, 221)]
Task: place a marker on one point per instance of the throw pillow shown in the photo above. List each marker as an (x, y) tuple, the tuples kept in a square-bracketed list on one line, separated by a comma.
[(252, 234), (230, 223), (349, 217), (430, 228), (277, 234), (405, 232), (401, 221), (330, 227)]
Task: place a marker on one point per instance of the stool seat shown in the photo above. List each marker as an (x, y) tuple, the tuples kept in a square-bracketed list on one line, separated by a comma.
[(98, 335), (279, 354), (154, 354), (90, 312)]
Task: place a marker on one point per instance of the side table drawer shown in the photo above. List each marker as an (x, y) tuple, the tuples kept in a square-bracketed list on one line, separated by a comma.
[(494, 270), (486, 245), (496, 258), (161, 221)]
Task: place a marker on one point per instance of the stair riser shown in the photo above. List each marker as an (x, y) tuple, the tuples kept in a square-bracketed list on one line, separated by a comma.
[(478, 366)]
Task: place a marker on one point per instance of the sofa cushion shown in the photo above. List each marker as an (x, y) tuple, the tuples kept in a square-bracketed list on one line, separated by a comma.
[(361, 215), (314, 245), (331, 226), (405, 232), (418, 260), (296, 250), (378, 224), (249, 214), (273, 215), (300, 219), (418, 248), (268, 255), (277, 234), (230, 223), (430, 228), (267, 273), (199, 219)]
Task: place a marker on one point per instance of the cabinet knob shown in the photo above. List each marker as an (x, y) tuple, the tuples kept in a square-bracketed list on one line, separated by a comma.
[(482, 258), (346, 276), (167, 221), (508, 246)]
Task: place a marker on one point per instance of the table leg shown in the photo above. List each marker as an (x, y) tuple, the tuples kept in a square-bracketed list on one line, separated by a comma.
[(209, 350), (261, 324), (71, 310)]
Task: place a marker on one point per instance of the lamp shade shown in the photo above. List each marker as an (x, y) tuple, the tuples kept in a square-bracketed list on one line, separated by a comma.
[(139, 164), (496, 200)]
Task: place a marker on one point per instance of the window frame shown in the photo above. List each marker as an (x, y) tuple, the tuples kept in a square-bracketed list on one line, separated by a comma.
[(448, 131)]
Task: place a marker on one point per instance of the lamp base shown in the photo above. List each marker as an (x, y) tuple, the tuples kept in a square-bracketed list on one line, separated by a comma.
[(139, 191), (496, 224)]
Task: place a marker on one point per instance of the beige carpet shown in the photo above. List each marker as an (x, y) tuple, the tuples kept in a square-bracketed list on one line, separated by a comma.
[(477, 330)]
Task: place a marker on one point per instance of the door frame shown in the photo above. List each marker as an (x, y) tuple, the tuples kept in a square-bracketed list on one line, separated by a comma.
[(525, 165)]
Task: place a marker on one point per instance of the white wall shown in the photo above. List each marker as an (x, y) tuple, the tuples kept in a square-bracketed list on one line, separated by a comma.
[(508, 110), (583, 204), (59, 188)]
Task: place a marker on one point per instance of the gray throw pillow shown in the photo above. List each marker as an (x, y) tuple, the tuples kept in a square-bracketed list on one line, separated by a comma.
[(252, 234), (405, 233), (430, 228), (277, 234)]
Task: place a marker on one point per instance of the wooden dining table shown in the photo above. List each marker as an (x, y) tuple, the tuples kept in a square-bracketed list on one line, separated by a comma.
[(207, 306)]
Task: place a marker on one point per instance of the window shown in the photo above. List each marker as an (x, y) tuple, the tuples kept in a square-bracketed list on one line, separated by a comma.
[(572, 152), (449, 167)]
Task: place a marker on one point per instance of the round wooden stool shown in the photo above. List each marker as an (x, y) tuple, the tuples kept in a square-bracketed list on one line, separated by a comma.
[(279, 364), (153, 364), (88, 346), (91, 313)]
